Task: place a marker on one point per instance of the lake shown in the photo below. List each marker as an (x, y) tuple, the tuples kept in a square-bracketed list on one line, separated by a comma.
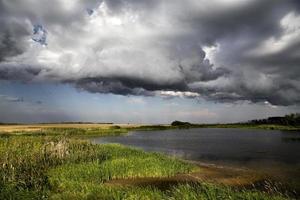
[(269, 154), (243, 147)]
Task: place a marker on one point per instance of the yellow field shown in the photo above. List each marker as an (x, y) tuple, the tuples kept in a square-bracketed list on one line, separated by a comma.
[(37, 127)]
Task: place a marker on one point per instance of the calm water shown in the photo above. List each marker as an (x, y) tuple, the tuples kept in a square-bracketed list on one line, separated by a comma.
[(216, 145)]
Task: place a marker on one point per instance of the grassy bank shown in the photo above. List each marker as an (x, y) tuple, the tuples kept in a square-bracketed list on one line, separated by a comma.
[(249, 126), (116, 130), (72, 131), (59, 167)]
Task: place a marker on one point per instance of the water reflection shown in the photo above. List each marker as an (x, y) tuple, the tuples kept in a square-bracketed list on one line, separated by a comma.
[(218, 145), (291, 139), (274, 154)]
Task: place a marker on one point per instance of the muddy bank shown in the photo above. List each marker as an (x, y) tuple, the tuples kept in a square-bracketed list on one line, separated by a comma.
[(239, 178)]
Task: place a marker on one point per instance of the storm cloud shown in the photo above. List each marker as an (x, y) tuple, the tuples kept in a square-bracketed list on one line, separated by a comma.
[(218, 50)]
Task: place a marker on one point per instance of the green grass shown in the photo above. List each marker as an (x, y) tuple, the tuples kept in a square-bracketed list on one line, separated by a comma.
[(113, 131), (123, 162), (117, 130), (59, 167), (27, 162), (246, 126), (87, 190), (277, 127), (237, 125)]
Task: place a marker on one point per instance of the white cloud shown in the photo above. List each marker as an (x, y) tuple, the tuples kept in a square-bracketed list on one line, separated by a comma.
[(178, 94), (136, 100), (168, 48), (290, 25)]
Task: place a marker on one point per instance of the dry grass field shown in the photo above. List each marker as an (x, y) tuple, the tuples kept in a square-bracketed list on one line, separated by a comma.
[(38, 127)]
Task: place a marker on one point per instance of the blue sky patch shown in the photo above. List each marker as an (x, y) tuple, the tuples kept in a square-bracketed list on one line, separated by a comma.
[(39, 34)]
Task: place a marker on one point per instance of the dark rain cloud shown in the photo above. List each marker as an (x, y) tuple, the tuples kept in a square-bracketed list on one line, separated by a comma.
[(142, 47), (19, 73), (127, 86), (12, 34)]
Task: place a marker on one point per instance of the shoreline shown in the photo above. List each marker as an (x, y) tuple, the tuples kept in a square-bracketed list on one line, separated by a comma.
[(78, 167), (11, 129)]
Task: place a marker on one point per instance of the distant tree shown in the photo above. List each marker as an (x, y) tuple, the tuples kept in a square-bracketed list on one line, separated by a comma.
[(291, 119), (179, 123)]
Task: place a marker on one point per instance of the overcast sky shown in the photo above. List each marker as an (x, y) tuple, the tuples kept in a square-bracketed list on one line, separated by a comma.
[(148, 61)]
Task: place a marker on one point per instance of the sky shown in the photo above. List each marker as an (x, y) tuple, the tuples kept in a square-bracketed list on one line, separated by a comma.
[(148, 61)]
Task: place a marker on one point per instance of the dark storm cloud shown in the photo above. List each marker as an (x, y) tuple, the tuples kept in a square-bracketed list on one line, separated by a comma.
[(194, 67), (127, 86), (278, 92), (9, 46), (224, 51), (19, 73), (272, 77), (258, 17), (12, 34)]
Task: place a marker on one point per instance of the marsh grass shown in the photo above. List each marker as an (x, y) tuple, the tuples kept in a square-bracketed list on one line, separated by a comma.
[(27, 161), (249, 126), (113, 131), (197, 191), (123, 130), (61, 167), (24, 160), (122, 163)]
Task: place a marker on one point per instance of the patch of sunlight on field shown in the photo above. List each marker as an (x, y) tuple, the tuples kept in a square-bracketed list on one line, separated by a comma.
[(38, 127)]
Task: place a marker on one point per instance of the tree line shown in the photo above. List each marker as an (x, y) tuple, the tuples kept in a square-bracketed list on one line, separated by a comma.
[(288, 120)]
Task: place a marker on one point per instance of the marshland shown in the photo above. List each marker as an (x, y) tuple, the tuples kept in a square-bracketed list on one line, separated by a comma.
[(149, 99), (83, 161)]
